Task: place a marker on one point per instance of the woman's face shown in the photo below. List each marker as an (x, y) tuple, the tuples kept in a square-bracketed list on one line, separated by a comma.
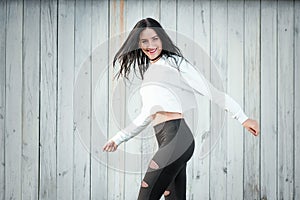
[(150, 43)]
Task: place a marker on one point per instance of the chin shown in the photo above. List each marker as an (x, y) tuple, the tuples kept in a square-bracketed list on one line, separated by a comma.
[(154, 56)]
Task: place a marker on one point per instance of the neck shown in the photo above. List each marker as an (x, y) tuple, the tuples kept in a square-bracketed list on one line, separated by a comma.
[(156, 58)]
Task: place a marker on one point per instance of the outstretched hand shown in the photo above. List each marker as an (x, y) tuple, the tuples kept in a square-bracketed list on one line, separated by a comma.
[(110, 146), (252, 126)]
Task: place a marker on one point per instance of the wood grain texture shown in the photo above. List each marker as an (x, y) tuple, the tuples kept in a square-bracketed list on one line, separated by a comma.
[(286, 104), (82, 112), (218, 156), (31, 74), (13, 101), (48, 101), (65, 76), (185, 35), (235, 89), (168, 16), (117, 109), (199, 181), (268, 99), (2, 96), (297, 98), (151, 9), (252, 98), (100, 32)]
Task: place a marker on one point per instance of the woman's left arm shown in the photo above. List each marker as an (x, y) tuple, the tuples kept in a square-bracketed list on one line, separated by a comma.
[(202, 86)]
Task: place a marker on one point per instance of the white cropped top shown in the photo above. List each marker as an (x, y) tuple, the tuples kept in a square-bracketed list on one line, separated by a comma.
[(164, 88)]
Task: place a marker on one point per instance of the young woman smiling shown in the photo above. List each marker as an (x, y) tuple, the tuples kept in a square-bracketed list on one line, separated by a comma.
[(168, 78)]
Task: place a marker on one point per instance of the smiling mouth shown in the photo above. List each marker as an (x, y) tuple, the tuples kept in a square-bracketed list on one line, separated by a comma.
[(152, 51)]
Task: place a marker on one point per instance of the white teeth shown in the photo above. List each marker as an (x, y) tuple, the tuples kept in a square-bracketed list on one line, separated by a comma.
[(152, 51)]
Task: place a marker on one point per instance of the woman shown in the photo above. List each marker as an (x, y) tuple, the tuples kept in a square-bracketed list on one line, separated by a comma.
[(168, 78)]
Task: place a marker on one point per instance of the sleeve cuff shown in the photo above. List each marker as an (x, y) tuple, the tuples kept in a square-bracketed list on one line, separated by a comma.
[(117, 139), (241, 116)]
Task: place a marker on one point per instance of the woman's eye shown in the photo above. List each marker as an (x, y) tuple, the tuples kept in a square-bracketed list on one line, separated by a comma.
[(155, 38)]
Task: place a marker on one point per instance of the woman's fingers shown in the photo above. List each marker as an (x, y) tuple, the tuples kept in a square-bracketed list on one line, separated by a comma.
[(253, 131), (252, 126), (110, 146), (255, 127)]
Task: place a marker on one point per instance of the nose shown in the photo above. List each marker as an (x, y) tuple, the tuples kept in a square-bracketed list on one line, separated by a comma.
[(151, 44)]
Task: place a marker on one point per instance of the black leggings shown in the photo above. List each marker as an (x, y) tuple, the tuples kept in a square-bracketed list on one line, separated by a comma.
[(166, 173)]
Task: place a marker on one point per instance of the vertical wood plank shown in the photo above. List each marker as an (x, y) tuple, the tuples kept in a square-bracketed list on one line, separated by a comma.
[(151, 8), (13, 94), (65, 108), (219, 79), (185, 36), (285, 100), (252, 98), (200, 172), (235, 90), (100, 39), (133, 162), (297, 99), (268, 99), (82, 113), (2, 96), (30, 140), (168, 16), (185, 31), (48, 103), (116, 162)]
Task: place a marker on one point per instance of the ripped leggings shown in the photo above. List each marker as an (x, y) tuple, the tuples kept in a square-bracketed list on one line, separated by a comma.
[(166, 174)]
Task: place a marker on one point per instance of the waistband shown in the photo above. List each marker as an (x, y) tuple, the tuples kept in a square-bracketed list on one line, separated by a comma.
[(159, 126)]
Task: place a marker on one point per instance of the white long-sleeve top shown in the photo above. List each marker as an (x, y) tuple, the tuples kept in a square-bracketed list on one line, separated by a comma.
[(164, 88)]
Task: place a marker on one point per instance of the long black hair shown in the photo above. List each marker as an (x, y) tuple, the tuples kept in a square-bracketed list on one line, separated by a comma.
[(130, 53)]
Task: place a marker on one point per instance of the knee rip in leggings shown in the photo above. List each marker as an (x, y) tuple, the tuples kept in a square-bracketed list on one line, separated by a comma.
[(145, 185), (167, 193), (152, 165)]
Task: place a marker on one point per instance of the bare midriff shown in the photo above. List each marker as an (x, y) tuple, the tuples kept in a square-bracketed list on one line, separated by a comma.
[(163, 116)]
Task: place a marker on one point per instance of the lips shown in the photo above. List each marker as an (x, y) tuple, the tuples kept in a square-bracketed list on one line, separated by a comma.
[(152, 51)]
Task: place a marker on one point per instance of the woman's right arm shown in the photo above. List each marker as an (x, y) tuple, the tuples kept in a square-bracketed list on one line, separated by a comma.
[(133, 129)]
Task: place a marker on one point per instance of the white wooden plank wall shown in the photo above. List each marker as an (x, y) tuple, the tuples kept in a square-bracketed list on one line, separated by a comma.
[(235, 84), (2, 97), (30, 120), (200, 161), (82, 106), (252, 93), (268, 108), (99, 57), (48, 101), (297, 98), (59, 102), (285, 100), (65, 59), (218, 52), (13, 101)]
